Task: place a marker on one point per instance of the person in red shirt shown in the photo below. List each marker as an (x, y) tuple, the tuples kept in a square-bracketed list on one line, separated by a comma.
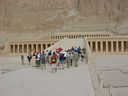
[(54, 58)]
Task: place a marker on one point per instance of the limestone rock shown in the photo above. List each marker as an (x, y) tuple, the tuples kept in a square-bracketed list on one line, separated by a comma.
[(47, 16)]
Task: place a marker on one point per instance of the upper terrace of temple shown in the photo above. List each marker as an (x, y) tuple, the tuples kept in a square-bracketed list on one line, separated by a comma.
[(74, 35)]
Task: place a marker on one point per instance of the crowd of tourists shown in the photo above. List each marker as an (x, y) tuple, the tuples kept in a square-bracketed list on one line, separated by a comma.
[(58, 59)]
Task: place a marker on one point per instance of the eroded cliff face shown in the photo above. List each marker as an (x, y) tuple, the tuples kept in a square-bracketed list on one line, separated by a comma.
[(60, 15), (104, 7), (32, 15), (109, 15)]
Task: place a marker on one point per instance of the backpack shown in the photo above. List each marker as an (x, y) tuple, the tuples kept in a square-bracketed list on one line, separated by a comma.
[(49, 53), (61, 57), (53, 59)]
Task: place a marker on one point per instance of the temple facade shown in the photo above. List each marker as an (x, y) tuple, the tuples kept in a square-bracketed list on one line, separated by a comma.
[(99, 42), (29, 46)]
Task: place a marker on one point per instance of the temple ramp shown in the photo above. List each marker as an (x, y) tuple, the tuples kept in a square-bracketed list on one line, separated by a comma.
[(68, 44), (74, 81)]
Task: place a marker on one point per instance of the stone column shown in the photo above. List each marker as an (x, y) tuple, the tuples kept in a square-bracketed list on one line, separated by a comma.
[(36, 47), (106, 46), (46, 45), (101, 46), (22, 48), (28, 48), (18, 48), (32, 48), (41, 47), (117, 46), (122, 46), (14, 48), (111, 46), (96, 45), (75, 36), (91, 45)]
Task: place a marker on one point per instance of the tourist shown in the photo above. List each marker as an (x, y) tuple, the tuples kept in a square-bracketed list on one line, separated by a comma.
[(71, 58), (65, 56), (72, 48), (47, 59), (75, 58), (54, 62), (29, 57), (82, 56), (43, 60), (49, 56), (22, 59), (58, 61), (84, 50), (79, 50), (61, 58), (68, 60), (37, 60)]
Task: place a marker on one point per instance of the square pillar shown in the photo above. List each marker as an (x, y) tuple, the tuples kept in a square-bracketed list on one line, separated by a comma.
[(27, 48), (117, 46), (106, 46), (111, 46), (101, 45), (122, 46), (22, 48), (32, 48), (41, 47), (13, 48), (96, 45), (91, 45), (46, 46), (18, 48), (36, 47)]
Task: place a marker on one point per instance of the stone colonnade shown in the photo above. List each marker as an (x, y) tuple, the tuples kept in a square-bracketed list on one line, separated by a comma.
[(75, 35), (109, 45), (29, 47)]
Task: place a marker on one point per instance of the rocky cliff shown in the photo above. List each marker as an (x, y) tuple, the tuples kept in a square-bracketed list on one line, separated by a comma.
[(32, 15), (43, 15), (46, 16)]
